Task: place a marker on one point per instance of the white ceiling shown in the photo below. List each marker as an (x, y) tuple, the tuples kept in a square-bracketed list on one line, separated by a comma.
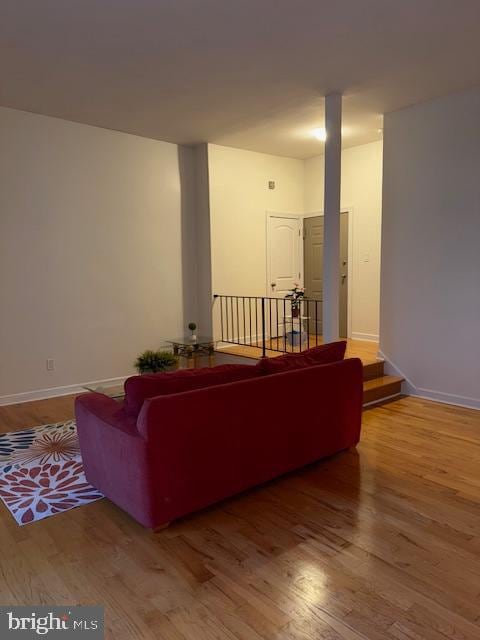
[(244, 73)]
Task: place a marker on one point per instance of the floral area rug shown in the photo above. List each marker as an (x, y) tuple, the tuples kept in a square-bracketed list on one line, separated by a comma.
[(41, 472)]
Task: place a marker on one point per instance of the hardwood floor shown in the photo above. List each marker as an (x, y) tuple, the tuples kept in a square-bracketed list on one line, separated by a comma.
[(366, 351), (378, 543)]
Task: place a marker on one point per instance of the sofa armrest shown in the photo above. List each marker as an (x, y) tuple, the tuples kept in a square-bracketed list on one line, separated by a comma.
[(106, 410), (114, 454)]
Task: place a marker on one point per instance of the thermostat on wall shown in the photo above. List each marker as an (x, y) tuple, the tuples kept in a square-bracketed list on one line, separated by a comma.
[(271, 184)]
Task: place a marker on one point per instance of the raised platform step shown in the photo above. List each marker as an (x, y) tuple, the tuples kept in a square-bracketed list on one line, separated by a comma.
[(373, 370), (376, 386), (378, 389)]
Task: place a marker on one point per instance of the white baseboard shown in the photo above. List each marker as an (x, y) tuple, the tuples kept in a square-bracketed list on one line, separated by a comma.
[(391, 369), (367, 337), (428, 394), (447, 398), (53, 392), (382, 400)]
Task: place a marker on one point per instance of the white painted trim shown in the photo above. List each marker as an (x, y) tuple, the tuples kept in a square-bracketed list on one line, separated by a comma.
[(312, 214), (54, 392), (448, 398), (391, 369), (351, 284), (366, 337), (283, 214), (382, 400), (429, 394)]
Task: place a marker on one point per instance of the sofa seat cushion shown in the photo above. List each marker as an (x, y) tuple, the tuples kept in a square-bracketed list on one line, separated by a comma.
[(324, 354), (141, 388)]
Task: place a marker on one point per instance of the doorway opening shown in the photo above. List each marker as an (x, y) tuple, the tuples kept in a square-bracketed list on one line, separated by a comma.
[(313, 240), (284, 266), (295, 256)]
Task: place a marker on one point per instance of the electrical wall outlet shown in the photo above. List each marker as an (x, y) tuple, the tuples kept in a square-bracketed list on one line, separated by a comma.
[(50, 364)]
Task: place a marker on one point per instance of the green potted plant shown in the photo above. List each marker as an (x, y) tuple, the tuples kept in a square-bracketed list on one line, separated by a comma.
[(155, 361), (193, 328), (296, 336), (296, 296)]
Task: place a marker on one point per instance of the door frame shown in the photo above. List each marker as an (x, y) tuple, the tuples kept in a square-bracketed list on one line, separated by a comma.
[(282, 214), (349, 211)]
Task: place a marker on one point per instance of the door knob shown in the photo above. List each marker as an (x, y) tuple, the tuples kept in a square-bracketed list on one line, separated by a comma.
[(273, 285)]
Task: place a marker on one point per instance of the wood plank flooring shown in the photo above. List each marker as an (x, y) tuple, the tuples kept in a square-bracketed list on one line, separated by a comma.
[(378, 543), (366, 351)]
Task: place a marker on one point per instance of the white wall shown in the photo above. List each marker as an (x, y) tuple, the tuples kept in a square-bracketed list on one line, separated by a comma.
[(362, 193), (90, 250), (430, 304), (98, 228), (239, 199)]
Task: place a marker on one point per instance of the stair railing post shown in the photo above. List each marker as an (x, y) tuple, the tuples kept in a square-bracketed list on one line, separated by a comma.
[(264, 344)]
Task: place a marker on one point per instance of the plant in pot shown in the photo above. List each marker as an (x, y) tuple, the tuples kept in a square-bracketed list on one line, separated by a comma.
[(193, 328), (155, 361), (296, 295), (296, 336)]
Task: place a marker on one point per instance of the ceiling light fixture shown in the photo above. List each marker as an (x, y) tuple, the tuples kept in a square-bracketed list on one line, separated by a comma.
[(320, 134)]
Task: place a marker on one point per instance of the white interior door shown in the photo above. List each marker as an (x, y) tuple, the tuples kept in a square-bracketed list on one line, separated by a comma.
[(283, 262)]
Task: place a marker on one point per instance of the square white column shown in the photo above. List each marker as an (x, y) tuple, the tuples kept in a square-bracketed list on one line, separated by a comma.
[(331, 246)]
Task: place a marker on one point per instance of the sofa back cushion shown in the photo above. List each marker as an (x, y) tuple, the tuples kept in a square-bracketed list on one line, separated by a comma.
[(288, 362), (140, 388), (324, 354)]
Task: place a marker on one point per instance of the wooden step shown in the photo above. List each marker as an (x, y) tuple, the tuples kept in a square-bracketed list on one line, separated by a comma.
[(381, 388), (373, 370)]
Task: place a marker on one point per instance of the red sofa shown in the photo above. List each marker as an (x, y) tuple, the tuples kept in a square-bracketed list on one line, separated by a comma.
[(187, 450)]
